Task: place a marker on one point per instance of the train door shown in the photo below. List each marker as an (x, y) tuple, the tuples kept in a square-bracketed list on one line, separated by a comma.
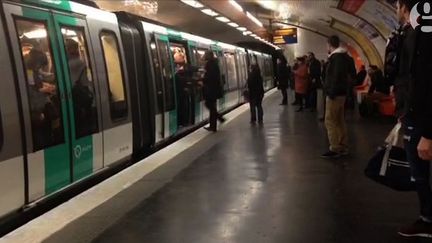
[(83, 105), (185, 87), (12, 186), (200, 63), (43, 98), (168, 84), (222, 66)]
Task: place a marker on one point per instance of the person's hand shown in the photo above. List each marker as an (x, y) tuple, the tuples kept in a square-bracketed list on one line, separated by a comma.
[(425, 149)]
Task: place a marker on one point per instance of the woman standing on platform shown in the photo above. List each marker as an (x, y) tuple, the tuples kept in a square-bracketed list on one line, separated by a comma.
[(212, 89), (301, 81), (256, 94)]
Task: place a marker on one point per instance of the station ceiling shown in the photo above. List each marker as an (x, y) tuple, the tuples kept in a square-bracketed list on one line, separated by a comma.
[(364, 24)]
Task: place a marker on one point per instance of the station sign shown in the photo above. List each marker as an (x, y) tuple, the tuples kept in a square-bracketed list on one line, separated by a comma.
[(285, 36)]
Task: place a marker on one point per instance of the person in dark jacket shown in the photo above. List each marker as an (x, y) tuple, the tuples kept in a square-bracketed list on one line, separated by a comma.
[(340, 71), (256, 93), (184, 83), (212, 89), (378, 89), (283, 76), (315, 81), (361, 76), (413, 89)]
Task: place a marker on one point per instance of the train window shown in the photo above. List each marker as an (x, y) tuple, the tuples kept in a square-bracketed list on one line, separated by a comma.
[(231, 70), (83, 95), (117, 94), (158, 77), (167, 73), (200, 57), (42, 84)]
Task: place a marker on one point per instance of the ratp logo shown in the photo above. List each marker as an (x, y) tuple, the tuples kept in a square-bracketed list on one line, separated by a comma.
[(421, 15)]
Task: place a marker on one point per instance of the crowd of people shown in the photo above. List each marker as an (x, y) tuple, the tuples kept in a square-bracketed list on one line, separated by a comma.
[(405, 76)]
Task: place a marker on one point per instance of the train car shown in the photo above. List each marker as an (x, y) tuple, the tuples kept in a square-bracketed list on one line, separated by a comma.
[(84, 90)]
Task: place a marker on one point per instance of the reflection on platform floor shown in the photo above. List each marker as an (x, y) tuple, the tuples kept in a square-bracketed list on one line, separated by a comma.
[(268, 184)]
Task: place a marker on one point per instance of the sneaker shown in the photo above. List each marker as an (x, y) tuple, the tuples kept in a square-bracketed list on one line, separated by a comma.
[(419, 229), (330, 155), (222, 120)]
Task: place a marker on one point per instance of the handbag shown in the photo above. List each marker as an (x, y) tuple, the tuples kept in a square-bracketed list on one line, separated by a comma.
[(389, 165)]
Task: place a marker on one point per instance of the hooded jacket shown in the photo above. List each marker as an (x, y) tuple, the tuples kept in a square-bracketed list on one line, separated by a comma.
[(340, 72)]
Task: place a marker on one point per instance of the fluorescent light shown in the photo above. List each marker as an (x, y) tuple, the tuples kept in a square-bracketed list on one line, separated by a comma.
[(223, 19), (209, 12), (253, 35), (254, 19), (36, 34), (193, 3), (242, 28), (247, 32), (236, 5), (232, 24)]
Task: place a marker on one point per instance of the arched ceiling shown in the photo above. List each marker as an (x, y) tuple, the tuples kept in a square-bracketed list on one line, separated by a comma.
[(363, 24)]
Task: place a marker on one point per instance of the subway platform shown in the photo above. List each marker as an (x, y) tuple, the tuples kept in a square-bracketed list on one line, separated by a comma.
[(243, 184)]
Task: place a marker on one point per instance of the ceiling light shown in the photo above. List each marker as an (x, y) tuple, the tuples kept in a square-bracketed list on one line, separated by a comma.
[(223, 19), (236, 5), (242, 28), (232, 24), (254, 19), (253, 35), (193, 3), (248, 32), (209, 12)]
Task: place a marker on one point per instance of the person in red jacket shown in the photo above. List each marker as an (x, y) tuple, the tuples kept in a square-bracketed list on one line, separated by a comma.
[(301, 81)]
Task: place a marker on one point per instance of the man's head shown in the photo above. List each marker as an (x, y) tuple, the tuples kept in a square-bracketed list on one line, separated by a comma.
[(404, 9), (310, 56), (333, 43), (179, 58), (72, 48), (362, 67)]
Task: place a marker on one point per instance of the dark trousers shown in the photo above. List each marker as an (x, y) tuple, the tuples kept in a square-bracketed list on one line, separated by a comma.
[(284, 95), (256, 106), (301, 100), (420, 169), (214, 115), (311, 99)]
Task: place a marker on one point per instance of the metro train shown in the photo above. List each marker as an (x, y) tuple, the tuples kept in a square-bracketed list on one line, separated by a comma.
[(83, 90)]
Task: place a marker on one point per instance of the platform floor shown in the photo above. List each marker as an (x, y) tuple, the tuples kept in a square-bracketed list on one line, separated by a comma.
[(256, 185)]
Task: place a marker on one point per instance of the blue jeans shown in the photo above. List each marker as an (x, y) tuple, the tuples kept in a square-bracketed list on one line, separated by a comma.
[(420, 169)]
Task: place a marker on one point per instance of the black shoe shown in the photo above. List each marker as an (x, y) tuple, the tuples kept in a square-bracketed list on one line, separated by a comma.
[(330, 155), (295, 103), (222, 120), (260, 122), (210, 129), (419, 229), (283, 103), (299, 110)]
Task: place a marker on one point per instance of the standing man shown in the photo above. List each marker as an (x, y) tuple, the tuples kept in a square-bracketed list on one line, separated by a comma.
[(212, 89), (315, 78), (413, 87), (283, 75), (340, 71)]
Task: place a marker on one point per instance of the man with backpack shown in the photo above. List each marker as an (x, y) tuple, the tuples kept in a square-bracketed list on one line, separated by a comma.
[(339, 73)]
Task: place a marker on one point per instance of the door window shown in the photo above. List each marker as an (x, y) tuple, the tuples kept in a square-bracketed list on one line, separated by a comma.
[(231, 70), (80, 73), (167, 73), (158, 77), (113, 65), (42, 84)]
